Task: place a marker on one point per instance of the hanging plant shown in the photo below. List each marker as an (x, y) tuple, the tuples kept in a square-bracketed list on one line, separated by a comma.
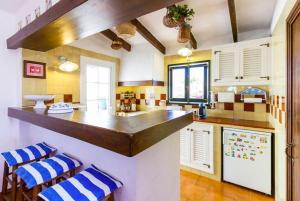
[(184, 33), (177, 15)]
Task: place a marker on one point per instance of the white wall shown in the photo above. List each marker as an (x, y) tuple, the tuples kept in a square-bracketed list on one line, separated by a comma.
[(10, 85), (142, 63)]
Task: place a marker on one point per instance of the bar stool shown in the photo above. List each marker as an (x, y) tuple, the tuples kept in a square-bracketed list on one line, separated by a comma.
[(43, 173), (17, 158), (92, 184)]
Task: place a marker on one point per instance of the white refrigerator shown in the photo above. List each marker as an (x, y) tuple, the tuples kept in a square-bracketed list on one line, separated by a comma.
[(247, 159)]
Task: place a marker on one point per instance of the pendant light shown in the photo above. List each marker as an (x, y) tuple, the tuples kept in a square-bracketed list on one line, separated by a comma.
[(125, 30), (185, 51), (67, 66)]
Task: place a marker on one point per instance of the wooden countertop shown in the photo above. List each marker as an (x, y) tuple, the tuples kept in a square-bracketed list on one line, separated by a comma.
[(236, 122), (125, 135)]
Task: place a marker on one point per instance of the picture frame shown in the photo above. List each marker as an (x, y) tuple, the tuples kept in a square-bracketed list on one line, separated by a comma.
[(33, 69)]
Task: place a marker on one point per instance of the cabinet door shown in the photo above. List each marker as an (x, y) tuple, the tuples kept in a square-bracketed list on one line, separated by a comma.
[(225, 67), (202, 147), (185, 146), (254, 62)]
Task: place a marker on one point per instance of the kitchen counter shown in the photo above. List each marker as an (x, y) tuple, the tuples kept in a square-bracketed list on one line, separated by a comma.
[(125, 135), (236, 122)]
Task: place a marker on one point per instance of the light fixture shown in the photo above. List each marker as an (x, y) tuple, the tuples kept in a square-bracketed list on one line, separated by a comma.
[(66, 65), (125, 30), (185, 52), (116, 44)]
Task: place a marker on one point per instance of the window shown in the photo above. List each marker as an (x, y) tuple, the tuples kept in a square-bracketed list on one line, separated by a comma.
[(189, 83), (97, 87)]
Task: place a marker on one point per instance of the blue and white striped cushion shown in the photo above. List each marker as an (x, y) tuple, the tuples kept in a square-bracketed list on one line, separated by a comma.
[(91, 184), (27, 154), (43, 171)]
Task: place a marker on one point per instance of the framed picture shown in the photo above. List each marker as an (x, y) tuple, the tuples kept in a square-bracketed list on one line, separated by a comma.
[(34, 69)]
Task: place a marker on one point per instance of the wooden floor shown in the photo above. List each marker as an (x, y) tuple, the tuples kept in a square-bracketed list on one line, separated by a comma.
[(197, 188)]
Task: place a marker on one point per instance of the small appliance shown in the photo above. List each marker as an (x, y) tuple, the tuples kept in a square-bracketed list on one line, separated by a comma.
[(202, 110)]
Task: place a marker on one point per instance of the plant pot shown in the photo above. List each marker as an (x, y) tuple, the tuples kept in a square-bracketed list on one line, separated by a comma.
[(184, 33), (169, 22)]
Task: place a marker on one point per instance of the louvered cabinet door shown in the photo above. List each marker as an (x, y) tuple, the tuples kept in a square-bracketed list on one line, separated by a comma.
[(225, 67), (254, 61), (185, 146), (202, 147)]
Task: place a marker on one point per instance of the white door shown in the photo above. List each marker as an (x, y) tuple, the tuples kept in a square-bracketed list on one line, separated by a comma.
[(254, 61), (202, 147), (97, 84), (225, 68), (185, 145)]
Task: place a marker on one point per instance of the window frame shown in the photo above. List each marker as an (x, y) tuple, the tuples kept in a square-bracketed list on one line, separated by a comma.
[(187, 66)]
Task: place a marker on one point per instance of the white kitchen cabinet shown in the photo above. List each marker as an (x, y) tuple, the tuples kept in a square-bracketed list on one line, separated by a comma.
[(196, 145), (225, 64), (243, 63)]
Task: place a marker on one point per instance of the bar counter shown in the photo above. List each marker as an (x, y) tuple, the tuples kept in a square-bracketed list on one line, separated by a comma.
[(125, 135)]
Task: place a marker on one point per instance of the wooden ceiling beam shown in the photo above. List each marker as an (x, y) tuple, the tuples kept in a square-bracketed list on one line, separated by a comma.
[(112, 36), (232, 13), (193, 41), (148, 36), (71, 20)]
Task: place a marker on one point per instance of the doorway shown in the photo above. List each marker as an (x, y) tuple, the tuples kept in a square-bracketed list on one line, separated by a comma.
[(97, 84), (293, 104)]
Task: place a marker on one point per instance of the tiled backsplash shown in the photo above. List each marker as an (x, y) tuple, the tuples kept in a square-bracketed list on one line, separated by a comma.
[(278, 108), (150, 98)]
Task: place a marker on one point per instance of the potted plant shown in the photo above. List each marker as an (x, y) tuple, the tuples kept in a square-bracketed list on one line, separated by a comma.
[(178, 15)]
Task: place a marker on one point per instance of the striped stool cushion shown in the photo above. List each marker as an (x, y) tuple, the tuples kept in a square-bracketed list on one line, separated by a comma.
[(43, 171), (91, 184), (27, 154)]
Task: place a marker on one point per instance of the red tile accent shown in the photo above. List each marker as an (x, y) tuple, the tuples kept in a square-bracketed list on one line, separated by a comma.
[(163, 96), (273, 100), (283, 104), (228, 106), (280, 117), (277, 101), (261, 96), (138, 101), (249, 107), (118, 96), (157, 102), (237, 98), (268, 108), (142, 96), (271, 107), (195, 106)]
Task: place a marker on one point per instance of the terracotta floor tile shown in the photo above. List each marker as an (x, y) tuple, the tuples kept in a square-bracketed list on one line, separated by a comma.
[(198, 188)]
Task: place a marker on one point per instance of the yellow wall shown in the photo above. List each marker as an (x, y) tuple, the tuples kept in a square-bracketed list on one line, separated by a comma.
[(176, 59), (58, 82), (278, 88)]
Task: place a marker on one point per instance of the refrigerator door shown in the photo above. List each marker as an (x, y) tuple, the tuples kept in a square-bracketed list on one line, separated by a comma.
[(247, 159)]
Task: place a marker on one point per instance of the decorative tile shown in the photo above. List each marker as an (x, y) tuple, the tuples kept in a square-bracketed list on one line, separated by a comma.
[(118, 96), (142, 96), (268, 108), (237, 98), (138, 101), (277, 101), (249, 107), (157, 102), (280, 116), (163, 96), (283, 103), (228, 106)]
